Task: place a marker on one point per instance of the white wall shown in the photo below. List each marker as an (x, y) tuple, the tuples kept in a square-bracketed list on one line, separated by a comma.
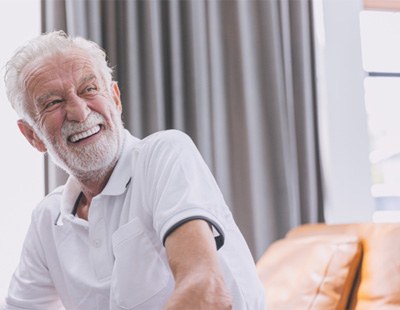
[(342, 114), (21, 167)]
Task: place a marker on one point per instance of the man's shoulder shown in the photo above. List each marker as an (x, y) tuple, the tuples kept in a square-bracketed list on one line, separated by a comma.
[(165, 135), (167, 138), (160, 140)]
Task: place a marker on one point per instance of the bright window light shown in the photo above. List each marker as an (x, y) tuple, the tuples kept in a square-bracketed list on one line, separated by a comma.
[(380, 37), (380, 33)]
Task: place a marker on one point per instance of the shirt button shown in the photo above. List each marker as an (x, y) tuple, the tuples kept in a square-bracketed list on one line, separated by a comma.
[(96, 243)]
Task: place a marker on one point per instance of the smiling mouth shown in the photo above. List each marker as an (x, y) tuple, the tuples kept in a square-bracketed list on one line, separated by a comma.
[(84, 135)]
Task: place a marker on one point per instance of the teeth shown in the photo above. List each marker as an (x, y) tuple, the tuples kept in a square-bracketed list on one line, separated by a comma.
[(85, 134)]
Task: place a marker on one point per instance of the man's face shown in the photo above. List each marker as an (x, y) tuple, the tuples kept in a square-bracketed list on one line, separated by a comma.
[(77, 117)]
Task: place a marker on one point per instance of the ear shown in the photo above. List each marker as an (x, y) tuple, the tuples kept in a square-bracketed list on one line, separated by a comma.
[(31, 136), (116, 95)]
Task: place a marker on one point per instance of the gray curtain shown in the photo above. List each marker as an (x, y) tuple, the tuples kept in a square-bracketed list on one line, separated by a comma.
[(237, 76)]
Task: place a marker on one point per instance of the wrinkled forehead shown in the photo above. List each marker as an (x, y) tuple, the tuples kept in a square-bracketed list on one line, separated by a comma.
[(72, 61), (44, 74)]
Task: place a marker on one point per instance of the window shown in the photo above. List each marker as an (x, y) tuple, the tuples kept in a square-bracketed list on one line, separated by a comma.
[(21, 177), (343, 134), (380, 37)]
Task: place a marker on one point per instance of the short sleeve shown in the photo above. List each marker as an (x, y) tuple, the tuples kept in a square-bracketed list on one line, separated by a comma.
[(31, 286), (180, 186)]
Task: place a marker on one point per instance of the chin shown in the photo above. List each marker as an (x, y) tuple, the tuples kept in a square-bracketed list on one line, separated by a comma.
[(89, 162)]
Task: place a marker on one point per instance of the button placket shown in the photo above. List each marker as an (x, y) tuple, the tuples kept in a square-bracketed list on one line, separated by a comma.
[(94, 229), (96, 243), (97, 235)]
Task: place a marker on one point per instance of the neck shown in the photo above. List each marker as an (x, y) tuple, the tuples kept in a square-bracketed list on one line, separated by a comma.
[(91, 186), (94, 182), (82, 210)]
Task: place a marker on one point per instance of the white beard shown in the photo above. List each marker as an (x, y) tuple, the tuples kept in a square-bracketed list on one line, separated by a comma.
[(89, 161)]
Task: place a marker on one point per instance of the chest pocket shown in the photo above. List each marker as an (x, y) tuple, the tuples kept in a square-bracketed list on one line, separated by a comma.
[(139, 278)]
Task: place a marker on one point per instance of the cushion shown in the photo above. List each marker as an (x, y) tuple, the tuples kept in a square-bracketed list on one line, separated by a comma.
[(379, 287), (312, 272)]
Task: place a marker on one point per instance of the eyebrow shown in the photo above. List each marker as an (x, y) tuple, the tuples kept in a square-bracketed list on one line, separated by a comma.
[(46, 96), (87, 78)]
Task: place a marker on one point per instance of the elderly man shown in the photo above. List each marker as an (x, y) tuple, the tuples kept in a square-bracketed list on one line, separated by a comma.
[(140, 224)]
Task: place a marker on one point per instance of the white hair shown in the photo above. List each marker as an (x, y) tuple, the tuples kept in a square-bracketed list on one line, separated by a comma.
[(47, 45)]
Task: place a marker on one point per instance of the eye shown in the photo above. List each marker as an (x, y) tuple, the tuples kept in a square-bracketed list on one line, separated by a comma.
[(90, 89), (53, 103)]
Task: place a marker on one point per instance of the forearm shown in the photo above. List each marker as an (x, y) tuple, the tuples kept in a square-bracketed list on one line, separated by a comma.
[(193, 260)]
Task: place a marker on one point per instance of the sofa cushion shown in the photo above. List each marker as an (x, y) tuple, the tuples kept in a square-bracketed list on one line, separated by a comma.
[(312, 272), (379, 286)]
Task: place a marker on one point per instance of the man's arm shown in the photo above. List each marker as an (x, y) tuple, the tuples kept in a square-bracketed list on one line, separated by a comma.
[(192, 256), (31, 285)]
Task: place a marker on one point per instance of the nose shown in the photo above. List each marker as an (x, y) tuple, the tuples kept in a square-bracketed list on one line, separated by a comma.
[(76, 109)]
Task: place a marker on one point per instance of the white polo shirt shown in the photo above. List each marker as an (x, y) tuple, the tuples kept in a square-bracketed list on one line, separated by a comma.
[(116, 259)]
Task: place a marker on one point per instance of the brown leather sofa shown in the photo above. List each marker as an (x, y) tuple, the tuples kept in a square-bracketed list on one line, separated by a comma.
[(319, 266)]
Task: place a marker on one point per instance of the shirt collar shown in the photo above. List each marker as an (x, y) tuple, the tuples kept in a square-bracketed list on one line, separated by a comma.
[(116, 185)]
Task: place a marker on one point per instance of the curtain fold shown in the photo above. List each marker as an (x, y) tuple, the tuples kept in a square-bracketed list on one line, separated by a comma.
[(237, 76)]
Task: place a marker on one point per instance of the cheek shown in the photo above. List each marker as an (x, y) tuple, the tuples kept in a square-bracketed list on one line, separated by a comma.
[(106, 108), (52, 124)]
